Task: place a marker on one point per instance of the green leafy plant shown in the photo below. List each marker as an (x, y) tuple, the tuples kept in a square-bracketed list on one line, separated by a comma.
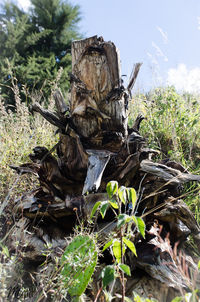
[(79, 261), (119, 198)]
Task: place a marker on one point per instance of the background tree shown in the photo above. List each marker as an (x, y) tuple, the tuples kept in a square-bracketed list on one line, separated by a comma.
[(34, 45)]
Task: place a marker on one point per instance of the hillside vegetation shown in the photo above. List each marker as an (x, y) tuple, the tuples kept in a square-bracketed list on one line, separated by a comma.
[(172, 126)]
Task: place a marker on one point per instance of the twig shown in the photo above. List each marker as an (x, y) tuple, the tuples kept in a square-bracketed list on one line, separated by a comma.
[(98, 293)]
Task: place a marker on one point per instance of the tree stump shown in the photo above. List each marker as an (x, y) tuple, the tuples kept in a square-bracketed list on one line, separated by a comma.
[(96, 146)]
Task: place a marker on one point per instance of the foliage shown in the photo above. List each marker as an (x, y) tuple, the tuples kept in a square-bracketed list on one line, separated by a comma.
[(120, 197), (79, 261), (173, 125), (35, 45)]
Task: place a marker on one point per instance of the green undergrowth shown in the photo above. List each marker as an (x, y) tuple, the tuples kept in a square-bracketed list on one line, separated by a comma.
[(172, 124)]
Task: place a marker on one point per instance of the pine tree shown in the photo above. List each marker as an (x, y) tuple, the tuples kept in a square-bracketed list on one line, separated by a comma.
[(34, 45)]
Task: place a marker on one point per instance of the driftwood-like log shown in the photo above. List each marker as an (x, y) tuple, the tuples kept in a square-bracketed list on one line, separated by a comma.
[(61, 106), (49, 116), (133, 77), (170, 175)]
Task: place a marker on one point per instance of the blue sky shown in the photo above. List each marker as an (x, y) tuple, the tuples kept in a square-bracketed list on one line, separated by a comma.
[(163, 34)]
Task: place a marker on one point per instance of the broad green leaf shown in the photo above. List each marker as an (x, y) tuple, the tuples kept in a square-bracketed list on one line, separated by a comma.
[(79, 261), (94, 209), (107, 245), (132, 196), (112, 188), (104, 207), (130, 245), (108, 275), (122, 194), (122, 219), (117, 250), (125, 268), (114, 204), (140, 224)]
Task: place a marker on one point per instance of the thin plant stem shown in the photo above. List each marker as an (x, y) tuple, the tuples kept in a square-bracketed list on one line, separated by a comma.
[(98, 293)]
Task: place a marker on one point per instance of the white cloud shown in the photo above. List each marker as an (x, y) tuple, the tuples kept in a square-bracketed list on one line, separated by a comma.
[(159, 52), (184, 79), (25, 4), (163, 34)]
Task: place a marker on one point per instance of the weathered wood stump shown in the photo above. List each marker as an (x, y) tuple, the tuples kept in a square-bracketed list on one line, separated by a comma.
[(96, 146)]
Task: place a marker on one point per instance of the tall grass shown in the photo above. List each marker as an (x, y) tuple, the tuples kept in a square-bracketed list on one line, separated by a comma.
[(19, 133), (172, 124)]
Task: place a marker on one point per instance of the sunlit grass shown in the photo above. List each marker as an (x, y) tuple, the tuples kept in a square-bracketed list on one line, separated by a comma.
[(172, 124)]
